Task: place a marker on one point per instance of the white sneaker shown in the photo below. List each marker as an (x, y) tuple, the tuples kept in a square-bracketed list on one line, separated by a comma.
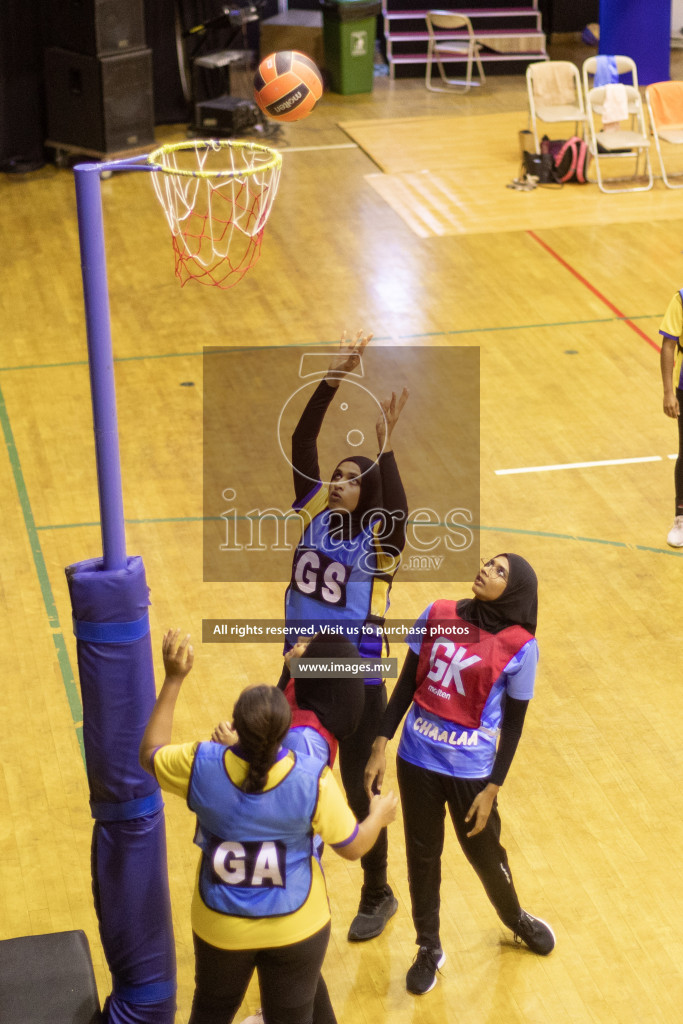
[(256, 1018), (675, 535)]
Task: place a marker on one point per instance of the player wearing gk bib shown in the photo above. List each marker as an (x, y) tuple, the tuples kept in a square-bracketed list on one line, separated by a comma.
[(671, 359), (467, 681), (260, 900), (353, 532)]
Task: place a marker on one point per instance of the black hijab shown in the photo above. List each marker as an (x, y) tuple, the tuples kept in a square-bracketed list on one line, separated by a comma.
[(345, 525), (516, 606), (338, 703)]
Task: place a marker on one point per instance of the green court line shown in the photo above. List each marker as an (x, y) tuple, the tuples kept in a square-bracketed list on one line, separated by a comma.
[(311, 344), (490, 529), (72, 694)]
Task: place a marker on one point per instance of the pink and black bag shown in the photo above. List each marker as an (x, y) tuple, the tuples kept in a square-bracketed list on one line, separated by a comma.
[(570, 157)]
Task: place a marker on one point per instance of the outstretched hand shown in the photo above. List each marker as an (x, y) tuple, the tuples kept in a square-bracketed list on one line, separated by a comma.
[(178, 657), (391, 410), (348, 358)]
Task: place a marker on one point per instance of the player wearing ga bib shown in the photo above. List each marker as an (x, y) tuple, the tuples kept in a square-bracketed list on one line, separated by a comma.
[(260, 902), (257, 846), (461, 685), (248, 870)]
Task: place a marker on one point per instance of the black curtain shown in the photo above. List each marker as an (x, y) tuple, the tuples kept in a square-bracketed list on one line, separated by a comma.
[(559, 16), (22, 101)]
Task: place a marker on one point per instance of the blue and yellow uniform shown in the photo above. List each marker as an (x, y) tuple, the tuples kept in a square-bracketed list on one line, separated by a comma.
[(340, 581), (342, 573), (672, 327), (259, 883)]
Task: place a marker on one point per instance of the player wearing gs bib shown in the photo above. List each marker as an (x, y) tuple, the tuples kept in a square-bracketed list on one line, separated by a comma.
[(353, 533), (260, 900), (671, 359), (466, 683)]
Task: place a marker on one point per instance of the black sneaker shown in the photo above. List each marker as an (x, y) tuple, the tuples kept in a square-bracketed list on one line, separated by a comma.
[(537, 934), (421, 977), (375, 908)]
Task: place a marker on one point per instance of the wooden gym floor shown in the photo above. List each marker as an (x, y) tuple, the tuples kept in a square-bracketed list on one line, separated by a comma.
[(564, 308)]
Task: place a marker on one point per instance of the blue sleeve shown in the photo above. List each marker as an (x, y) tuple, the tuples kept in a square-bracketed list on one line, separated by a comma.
[(306, 740), (417, 634), (520, 672)]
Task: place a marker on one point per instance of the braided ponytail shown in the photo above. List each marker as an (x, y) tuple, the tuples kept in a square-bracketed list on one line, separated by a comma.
[(261, 717)]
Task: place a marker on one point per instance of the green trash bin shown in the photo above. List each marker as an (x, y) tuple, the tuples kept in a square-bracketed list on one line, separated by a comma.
[(349, 43)]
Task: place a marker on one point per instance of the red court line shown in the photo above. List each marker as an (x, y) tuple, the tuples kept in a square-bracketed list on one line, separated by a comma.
[(592, 288)]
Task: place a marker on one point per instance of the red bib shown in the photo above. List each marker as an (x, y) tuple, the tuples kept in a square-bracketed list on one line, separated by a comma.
[(455, 675), (301, 717)]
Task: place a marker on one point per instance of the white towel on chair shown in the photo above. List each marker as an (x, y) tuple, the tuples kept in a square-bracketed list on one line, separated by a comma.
[(615, 107)]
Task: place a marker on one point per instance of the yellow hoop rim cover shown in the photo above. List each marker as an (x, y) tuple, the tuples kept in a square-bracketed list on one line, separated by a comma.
[(273, 164)]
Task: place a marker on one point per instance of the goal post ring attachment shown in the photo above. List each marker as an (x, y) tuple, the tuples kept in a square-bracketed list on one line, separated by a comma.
[(217, 195)]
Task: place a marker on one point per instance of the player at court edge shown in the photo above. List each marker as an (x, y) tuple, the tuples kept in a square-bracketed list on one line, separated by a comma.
[(260, 901), (671, 360), (354, 530), (462, 695)]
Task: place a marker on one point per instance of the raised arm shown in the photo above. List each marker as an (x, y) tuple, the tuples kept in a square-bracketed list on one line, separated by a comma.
[(178, 660), (305, 439), (305, 436), (393, 536)]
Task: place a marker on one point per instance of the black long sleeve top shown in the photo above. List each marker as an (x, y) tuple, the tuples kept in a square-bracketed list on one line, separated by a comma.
[(307, 469)]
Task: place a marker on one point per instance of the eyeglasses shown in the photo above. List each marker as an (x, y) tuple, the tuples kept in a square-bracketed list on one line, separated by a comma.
[(493, 569)]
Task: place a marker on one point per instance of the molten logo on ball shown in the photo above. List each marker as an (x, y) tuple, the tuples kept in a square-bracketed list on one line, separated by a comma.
[(287, 85)]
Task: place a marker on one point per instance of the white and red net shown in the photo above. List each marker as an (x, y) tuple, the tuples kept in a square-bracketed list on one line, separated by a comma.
[(217, 195)]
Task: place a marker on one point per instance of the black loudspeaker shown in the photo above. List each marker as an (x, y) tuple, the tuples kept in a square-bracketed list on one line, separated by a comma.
[(96, 27), (104, 104)]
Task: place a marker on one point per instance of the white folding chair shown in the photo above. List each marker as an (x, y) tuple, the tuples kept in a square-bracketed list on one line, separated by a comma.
[(624, 66), (456, 42), (665, 107), (555, 96), (619, 142)]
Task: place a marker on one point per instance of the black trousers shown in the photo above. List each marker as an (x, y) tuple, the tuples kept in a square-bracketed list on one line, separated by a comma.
[(353, 757), (424, 798), (678, 470), (288, 977), (354, 753)]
